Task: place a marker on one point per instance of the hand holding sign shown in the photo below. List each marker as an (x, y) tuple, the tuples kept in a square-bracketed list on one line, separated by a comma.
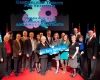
[(40, 54)]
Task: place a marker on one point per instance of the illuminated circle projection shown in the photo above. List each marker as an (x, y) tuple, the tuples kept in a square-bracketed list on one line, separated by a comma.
[(39, 16)]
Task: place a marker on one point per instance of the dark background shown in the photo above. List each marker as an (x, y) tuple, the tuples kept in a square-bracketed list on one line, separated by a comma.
[(79, 12), (82, 12)]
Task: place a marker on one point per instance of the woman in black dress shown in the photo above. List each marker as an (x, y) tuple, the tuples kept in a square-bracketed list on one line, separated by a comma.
[(43, 58), (36, 54), (73, 51)]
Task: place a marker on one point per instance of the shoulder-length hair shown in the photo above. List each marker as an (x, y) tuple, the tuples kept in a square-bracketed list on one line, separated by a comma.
[(54, 36), (37, 35), (68, 42)]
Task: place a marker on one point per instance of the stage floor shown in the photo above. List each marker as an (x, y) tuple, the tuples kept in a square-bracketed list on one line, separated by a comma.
[(49, 76)]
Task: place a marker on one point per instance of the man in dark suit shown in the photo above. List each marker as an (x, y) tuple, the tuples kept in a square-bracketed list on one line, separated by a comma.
[(6, 55), (30, 46), (17, 52), (24, 59), (41, 34), (76, 34), (91, 53), (10, 33), (49, 41)]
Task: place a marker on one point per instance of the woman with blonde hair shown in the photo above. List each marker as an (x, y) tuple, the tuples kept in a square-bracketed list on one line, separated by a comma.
[(56, 42), (64, 54)]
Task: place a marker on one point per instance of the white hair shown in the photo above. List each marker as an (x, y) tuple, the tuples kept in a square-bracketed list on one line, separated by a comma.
[(6, 36), (73, 36), (91, 31), (43, 37)]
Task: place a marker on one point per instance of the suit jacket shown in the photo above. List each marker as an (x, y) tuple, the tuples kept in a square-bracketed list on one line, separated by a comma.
[(17, 48), (91, 48), (3, 53), (23, 41), (48, 40), (41, 46), (28, 46), (11, 40)]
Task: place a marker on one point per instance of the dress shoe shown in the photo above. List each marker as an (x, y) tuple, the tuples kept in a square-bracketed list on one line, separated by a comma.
[(30, 70), (6, 76), (71, 74), (43, 74), (50, 69), (90, 77), (20, 72), (10, 73), (39, 72), (16, 74), (33, 70), (74, 75)]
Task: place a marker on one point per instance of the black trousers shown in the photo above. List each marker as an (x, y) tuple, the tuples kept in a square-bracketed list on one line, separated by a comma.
[(12, 64), (24, 61), (81, 62), (91, 66), (49, 63), (7, 65), (17, 64), (31, 61), (43, 62)]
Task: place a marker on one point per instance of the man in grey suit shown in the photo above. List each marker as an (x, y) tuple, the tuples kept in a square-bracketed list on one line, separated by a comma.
[(30, 47)]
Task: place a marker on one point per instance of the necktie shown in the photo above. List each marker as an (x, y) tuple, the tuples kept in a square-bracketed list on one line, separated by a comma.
[(19, 46), (88, 41), (49, 39)]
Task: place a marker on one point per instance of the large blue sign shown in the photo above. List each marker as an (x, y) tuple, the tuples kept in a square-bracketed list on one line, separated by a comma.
[(53, 50)]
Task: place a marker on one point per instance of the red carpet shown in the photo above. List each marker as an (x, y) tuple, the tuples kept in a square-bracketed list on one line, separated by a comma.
[(49, 76)]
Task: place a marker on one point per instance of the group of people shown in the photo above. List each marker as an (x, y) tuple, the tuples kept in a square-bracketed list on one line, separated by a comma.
[(25, 51)]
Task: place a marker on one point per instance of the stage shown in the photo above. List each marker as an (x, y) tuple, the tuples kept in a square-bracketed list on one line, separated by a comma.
[(49, 76)]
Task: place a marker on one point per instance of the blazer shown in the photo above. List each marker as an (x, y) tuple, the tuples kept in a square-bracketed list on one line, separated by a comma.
[(41, 46), (91, 48), (28, 46), (11, 40), (48, 40), (3, 53), (23, 41), (16, 48)]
